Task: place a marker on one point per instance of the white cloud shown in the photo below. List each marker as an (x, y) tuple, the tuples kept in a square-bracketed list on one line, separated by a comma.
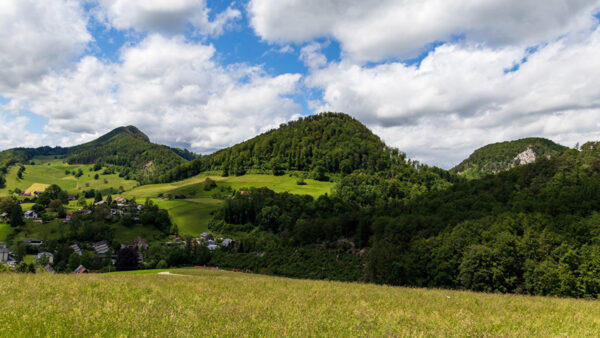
[(171, 89), (166, 16), (372, 30), (461, 98), (37, 36)]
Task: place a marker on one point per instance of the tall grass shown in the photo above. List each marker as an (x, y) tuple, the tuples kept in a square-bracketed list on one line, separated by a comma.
[(234, 304)]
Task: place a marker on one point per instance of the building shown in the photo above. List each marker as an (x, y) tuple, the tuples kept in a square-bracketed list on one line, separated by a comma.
[(4, 217), (120, 200), (227, 242), (141, 243), (33, 242), (47, 254), (80, 269), (30, 214), (102, 249), (99, 203), (206, 236), (72, 198), (76, 249), (212, 247), (49, 268), (4, 253)]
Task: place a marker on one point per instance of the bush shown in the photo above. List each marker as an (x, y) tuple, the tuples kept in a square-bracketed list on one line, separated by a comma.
[(162, 264)]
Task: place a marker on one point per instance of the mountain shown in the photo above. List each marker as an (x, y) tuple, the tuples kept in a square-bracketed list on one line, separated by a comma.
[(497, 157), (320, 144), (126, 148)]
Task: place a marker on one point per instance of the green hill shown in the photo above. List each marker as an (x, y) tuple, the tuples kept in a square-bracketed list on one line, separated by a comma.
[(327, 143), (125, 148), (497, 157)]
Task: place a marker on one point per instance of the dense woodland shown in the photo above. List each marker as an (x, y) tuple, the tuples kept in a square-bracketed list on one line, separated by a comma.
[(497, 157), (534, 229), (321, 144)]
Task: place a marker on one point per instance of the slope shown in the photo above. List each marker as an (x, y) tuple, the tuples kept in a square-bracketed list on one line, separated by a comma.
[(320, 144), (497, 157)]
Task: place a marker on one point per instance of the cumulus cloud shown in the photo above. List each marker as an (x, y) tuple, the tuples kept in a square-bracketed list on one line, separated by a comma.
[(166, 16), (372, 30), (38, 36), (463, 96), (170, 88)]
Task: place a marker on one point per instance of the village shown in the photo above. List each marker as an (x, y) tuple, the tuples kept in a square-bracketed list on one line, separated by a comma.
[(89, 252)]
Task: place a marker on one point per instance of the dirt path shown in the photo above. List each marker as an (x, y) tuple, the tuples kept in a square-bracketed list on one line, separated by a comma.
[(170, 274)]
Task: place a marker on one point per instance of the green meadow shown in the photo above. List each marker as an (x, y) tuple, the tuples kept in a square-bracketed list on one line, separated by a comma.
[(218, 303), (5, 229), (52, 171)]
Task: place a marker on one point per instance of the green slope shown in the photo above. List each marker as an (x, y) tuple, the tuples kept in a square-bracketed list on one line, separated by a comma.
[(497, 157), (323, 143)]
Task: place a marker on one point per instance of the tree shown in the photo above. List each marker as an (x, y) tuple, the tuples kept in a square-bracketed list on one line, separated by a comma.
[(98, 196), (16, 216), (82, 202), (127, 259), (74, 261), (101, 212)]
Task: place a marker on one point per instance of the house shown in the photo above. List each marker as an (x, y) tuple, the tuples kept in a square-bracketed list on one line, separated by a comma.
[(102, 249), (30, 214), (84, 212), (33, 242), (4, 217), (211, 242), (80, 269), (141, 243), (116, 212), (76, 249), (37, 193), (72, 198), (227, 242), (48, 268), (139, 207), (99, 203), (212, 247), (120, 200), (4, 253), (206, 236), (47, 254)]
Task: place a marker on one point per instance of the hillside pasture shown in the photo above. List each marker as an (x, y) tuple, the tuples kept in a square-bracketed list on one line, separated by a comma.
[(199, 302), (190, 215), (53, 171), (193, 185)]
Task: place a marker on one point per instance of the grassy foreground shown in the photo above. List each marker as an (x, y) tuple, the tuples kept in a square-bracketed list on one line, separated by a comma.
[(234, 304)]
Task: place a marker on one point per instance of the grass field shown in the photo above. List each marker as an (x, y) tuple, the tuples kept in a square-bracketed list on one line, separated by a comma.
[(234, 304), (275, 183), (5, 230), (48, 171), (190, 215)]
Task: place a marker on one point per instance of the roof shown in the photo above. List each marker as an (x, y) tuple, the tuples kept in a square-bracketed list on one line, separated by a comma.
[(212, 247), (44, 254), (80, 269), (4, 250), (101, 247), (4, 214)]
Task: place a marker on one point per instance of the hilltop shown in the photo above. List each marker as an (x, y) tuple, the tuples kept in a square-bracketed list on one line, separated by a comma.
[(327, 143), (126, 148), (497, 157)]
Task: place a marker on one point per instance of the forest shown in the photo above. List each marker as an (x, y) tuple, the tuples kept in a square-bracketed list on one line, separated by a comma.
[(533, 230)]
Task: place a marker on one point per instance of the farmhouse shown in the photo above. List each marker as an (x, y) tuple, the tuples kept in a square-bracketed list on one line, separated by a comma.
[(141, 243), (227, 242), (206, 236), (80, 269), (120, 200), (4, 217), (102, 249), (47, 254), (33, 242), (30, 214), (76, 249), (99, 203)]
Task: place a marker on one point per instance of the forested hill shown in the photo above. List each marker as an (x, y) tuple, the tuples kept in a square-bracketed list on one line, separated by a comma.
[(125, 148), (319, 144), (497, 157)]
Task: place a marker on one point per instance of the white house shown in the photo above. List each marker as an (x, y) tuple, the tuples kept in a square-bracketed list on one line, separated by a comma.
[(30, 214), (227, 242), (212, 247), (47, 254), (4, 255)]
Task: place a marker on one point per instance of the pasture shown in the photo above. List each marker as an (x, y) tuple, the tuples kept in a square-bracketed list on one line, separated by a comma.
[(48, 171), (200, 302)]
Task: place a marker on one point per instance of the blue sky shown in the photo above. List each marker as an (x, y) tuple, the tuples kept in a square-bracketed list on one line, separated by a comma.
[(436, 80)]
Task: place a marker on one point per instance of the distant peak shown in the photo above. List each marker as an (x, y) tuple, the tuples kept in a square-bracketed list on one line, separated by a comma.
[(129, 130)]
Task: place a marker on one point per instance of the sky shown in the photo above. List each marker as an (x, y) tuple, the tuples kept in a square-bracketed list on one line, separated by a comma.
[(435, 78)]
